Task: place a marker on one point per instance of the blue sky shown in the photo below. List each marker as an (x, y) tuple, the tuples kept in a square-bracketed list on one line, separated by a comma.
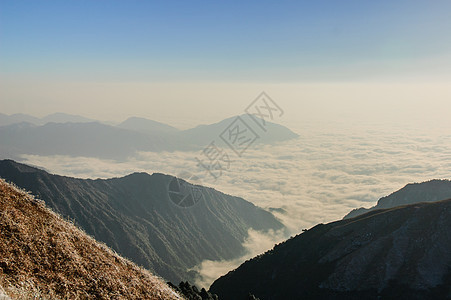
[(167, 60), (262, 40)]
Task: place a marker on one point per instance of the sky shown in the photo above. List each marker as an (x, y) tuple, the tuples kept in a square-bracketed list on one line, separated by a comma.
[(167, 60)]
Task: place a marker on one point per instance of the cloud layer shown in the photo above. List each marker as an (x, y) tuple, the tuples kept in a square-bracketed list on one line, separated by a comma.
[(255, 244), (316, 178)]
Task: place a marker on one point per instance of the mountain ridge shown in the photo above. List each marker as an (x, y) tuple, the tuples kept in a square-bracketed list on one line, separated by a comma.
[(96, 139), (428, 191), (57, 117), (395, 253), (134, 215), (147, 126)]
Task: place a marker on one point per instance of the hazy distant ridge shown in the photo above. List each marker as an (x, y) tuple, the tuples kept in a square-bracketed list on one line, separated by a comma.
[(42, 256), (56, 118), (78, 136)]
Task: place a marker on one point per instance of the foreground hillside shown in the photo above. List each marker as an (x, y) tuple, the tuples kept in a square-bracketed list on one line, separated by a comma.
[(134, 216), (429, 191), (397, 253), (42, 255)]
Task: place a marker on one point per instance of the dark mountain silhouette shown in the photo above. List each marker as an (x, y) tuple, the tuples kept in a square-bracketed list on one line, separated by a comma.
[(42, 256), (395, 253), (429, 191), (94, 139), (147, 126), (134, 216)]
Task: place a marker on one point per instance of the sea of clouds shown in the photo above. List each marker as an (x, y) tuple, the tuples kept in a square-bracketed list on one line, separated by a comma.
[(316, 178)]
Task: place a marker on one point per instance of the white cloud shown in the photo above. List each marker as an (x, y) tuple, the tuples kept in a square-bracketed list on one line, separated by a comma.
[(317, 178), (255, 244)]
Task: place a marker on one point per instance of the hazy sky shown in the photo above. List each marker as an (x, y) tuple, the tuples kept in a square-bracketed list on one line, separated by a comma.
[(168, 60)]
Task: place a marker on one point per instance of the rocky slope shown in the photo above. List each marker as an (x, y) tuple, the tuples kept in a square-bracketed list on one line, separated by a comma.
[(44, 256), (135, 216), (395, 253), (429, 191)]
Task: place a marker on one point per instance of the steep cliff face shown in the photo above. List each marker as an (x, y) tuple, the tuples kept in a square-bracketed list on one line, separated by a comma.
[(135, 216), (402, 252)]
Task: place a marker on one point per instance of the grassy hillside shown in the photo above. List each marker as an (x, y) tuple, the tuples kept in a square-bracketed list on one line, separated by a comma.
[(43, 255)]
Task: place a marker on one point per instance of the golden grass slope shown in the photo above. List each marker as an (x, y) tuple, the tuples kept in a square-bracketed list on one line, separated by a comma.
[(42, 255)]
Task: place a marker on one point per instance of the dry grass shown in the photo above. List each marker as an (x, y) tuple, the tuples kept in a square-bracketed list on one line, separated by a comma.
[(44, 256)]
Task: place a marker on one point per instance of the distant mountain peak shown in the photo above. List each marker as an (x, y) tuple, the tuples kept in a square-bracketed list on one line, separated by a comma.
[(428, 191), (59, 117), (205, 134), (147, 126), (95, 139)]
